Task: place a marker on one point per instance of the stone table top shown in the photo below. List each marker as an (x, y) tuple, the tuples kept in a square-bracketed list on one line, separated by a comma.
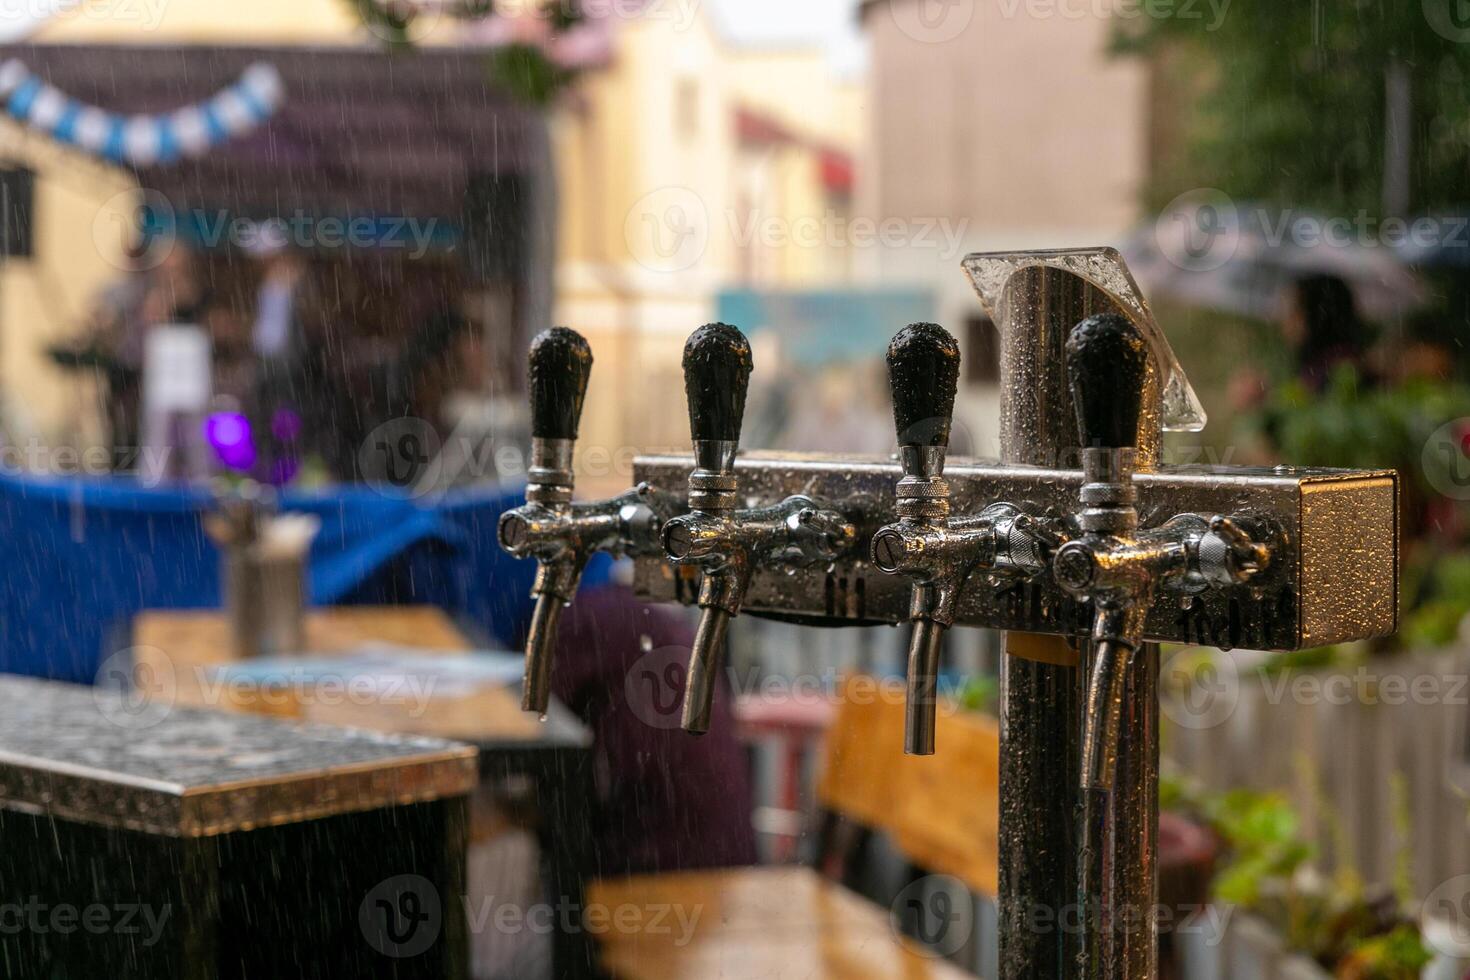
[(104, 757)]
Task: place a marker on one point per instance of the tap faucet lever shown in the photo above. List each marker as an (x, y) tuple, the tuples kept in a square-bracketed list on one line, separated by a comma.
[(937, 551), (924, 374), (561, 535), (724, 540), (1107, 366), (1114, 564)]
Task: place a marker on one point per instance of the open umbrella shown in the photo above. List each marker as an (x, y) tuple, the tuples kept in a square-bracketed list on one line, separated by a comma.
[(1207, 251), (1437, 241)]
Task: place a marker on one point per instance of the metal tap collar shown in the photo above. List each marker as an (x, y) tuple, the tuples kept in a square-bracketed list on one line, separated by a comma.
[(713, 485), (550, 479)]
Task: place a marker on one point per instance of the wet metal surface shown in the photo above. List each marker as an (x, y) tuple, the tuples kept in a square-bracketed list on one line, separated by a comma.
[(1308, 506), (95, 756)]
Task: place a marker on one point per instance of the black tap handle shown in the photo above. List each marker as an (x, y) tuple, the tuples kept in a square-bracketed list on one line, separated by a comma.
[(924, 373), (717, 366), (1107, 362), (561, 364)]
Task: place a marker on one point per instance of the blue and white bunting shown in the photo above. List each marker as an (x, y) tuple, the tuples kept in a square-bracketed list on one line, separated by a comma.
[(142, 140)]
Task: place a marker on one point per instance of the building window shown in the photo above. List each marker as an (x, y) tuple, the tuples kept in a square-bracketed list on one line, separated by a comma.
[(17, 204)]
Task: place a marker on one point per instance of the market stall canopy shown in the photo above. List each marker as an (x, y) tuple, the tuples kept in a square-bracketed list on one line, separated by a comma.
[(355, 132)]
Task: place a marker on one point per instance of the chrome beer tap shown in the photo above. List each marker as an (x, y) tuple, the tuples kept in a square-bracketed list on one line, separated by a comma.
[(561, 535), (937, 552), (717, 535), (1265, 558), (1113, 564)]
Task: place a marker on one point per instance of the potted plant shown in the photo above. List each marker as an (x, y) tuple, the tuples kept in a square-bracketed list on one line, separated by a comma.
[(1287, 922)]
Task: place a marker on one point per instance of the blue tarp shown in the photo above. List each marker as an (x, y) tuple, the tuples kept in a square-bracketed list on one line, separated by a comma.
[(83, 556)]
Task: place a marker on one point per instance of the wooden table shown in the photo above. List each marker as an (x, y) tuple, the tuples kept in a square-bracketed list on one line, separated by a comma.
[(174, 652), (753, 924)]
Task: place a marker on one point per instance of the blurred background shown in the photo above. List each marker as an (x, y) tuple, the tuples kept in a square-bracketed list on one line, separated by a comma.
[(293, 253)]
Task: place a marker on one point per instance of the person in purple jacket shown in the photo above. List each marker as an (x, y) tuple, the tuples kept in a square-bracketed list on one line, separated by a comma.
[(668, 801)]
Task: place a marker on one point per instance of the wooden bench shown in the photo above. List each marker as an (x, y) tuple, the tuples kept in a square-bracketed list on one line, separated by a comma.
[(941, 812)]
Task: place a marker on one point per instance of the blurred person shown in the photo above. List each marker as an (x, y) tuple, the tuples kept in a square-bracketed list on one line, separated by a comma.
[(230, 351), (768, 406), (172, 347), (175, 290), (845, 411), (1324, 332), (448, 380), (169, 290), (296, 394), (667, 801)]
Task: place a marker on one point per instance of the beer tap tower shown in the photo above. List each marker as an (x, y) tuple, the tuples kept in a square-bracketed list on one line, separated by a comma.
[(1044, 544)]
